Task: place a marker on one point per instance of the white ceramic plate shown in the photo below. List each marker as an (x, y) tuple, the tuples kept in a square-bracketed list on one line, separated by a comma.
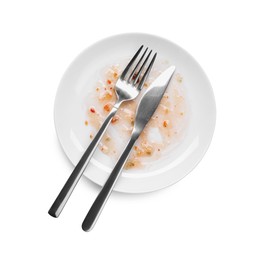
[(80, 79)]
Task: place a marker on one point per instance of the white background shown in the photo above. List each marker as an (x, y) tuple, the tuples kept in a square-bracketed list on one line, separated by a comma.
[(208, 215)]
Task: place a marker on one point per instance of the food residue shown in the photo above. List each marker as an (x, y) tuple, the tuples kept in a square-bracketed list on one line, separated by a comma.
[(164, 131)]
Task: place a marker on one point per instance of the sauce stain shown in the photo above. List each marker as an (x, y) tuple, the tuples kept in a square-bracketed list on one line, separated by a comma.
[(164, 131)]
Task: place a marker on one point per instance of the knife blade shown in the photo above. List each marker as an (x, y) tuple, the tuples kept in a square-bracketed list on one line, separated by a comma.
[(145, 110), (151, 99)]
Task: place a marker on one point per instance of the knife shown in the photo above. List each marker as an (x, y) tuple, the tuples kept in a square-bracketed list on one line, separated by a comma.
[(145, 109)]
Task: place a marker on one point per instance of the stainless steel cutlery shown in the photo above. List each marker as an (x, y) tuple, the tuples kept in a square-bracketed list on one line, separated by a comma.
[(127, 87)]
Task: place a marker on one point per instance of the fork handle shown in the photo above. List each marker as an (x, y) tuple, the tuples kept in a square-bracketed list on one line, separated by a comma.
[(102, 197), (70, 184)]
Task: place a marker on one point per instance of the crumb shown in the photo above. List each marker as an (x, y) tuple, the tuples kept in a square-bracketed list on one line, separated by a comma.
[(106, 95), (92, 110), (129, 164), (134, 77), (165, 123), (107, 139), (148, 149), (179, 78), (86, 122), (104, 149), (132, 163), (107, 107), (115, 119)]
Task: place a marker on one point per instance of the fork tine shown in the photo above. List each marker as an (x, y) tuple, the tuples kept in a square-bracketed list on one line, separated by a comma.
[(140, 70), (133, 72), (146, 73), (122, 76)]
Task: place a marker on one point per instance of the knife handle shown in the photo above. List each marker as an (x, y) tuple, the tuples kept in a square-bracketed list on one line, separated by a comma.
[(69, 186), (102, 197)]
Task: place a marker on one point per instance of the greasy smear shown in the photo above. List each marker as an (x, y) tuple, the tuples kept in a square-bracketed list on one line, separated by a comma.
[(163, 132)]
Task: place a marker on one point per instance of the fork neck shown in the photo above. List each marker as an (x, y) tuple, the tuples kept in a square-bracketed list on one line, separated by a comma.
[(118, 103)]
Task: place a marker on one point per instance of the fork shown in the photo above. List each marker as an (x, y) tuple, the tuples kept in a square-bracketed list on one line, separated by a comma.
[(127, 88)]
